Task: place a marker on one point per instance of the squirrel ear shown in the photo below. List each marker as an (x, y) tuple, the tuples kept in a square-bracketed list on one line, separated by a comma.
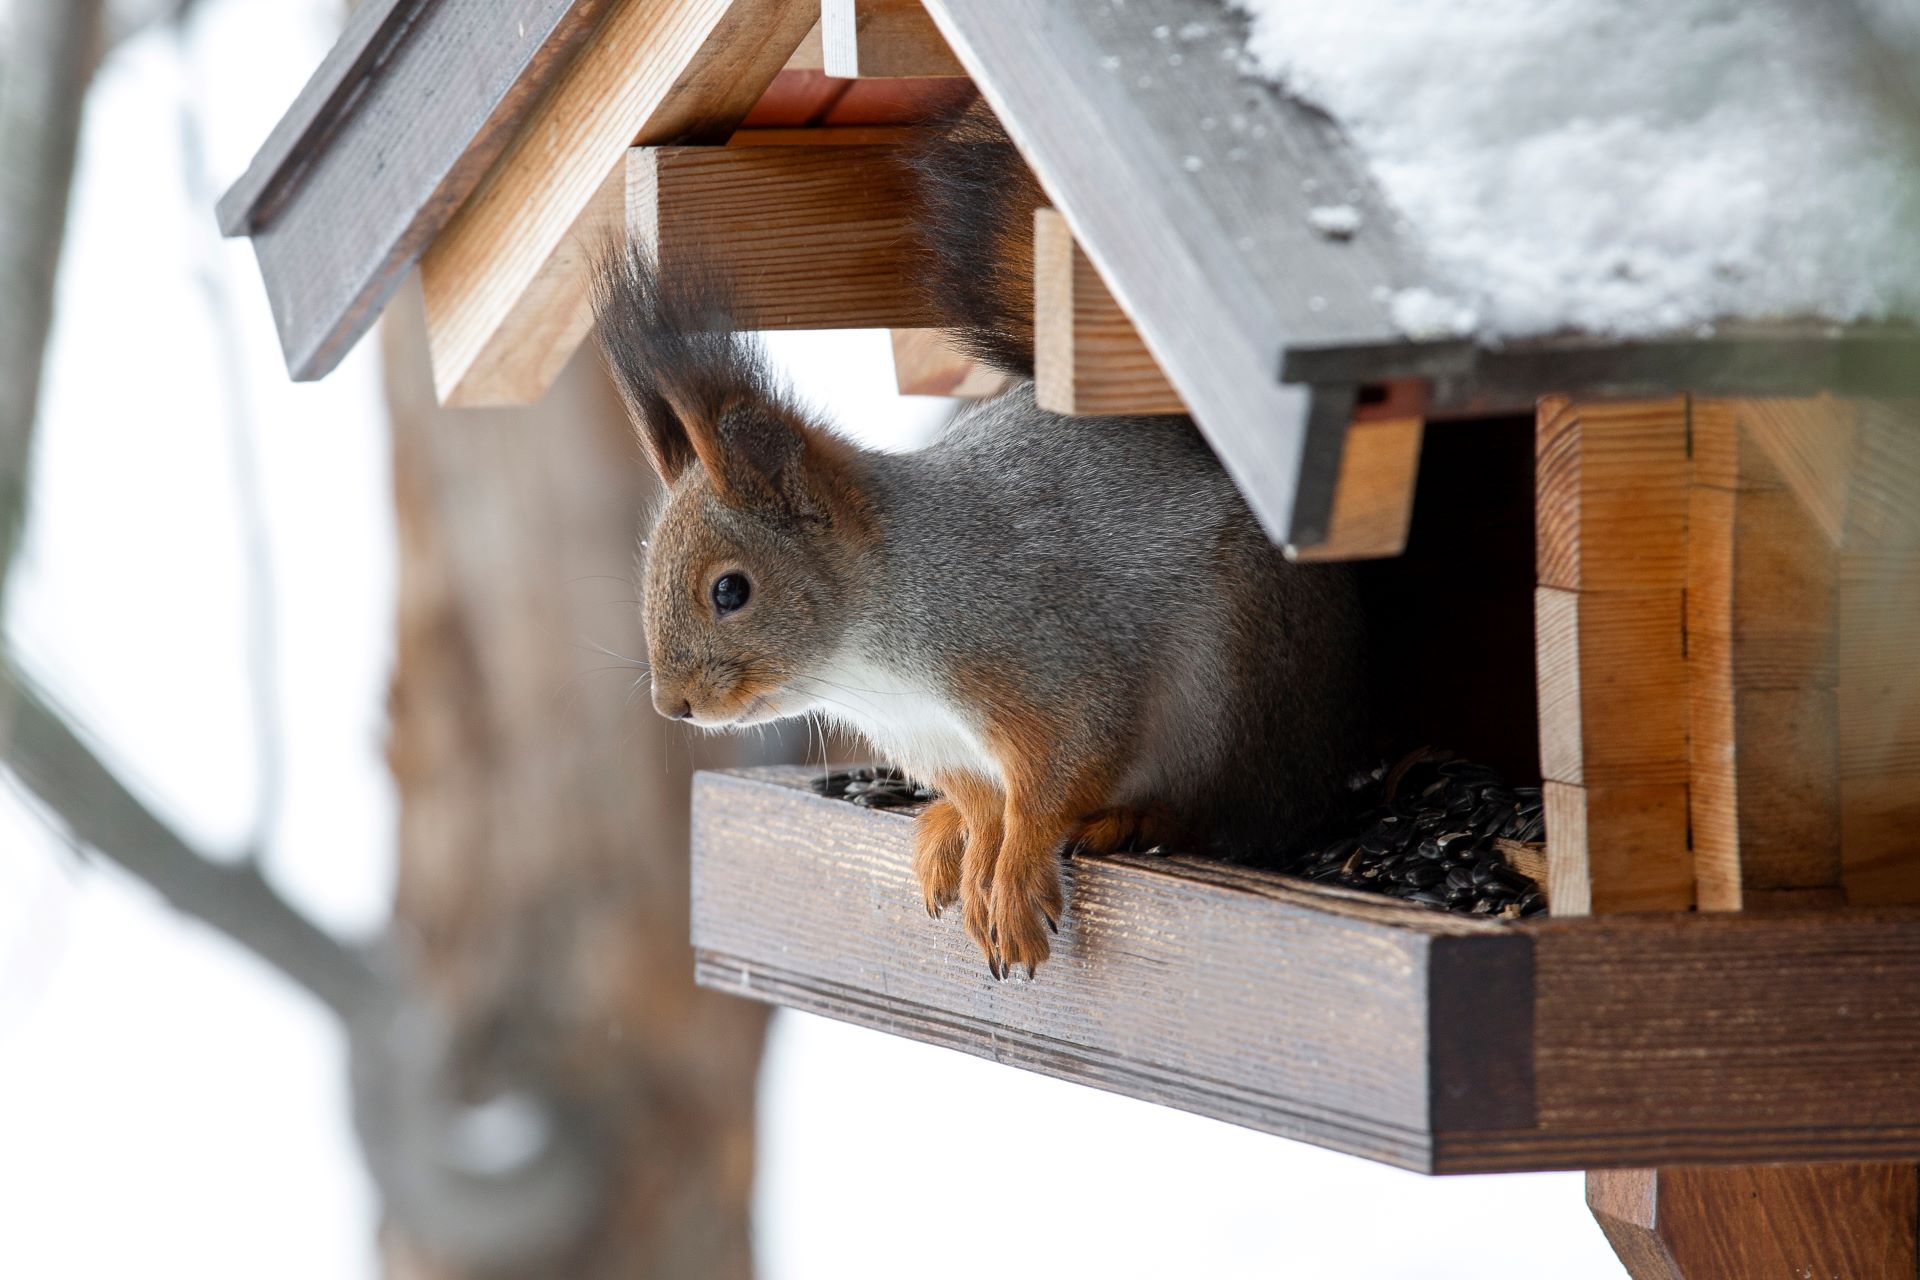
[(664, 437), (756, 452)]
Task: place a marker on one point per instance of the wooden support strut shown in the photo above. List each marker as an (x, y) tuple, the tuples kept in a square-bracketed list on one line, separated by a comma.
[(1764, 509), (883, 39), (505, 281), (926, 363), (810, 237), (1089, 359)]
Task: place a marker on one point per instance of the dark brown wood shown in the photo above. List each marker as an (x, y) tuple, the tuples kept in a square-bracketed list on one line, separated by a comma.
[(396, 128), (1425, 1040), (1756, 1223)]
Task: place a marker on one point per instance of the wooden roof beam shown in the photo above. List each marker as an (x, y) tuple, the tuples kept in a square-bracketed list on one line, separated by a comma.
[(883, 39), (811, 237), (505, 281)]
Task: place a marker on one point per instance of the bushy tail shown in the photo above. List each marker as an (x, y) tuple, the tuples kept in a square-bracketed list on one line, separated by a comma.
[(974, 223)]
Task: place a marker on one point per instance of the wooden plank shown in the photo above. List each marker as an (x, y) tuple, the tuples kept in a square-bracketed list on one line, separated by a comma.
[(511, 262), (1880, 658), (398, 126), (882, 39), (925, 363), (1762, 652), (1193, 984), (1612, 673), (1610, 651), (809, 55), (811, 237), (1373, 496), (1216, 260), (1612, 492), (1856, 1221), (1403, 1035), (1617, 848), (1087, 356)]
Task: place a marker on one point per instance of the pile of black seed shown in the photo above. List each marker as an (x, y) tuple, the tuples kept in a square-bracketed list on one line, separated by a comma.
[(873, 788), (1427, 832)]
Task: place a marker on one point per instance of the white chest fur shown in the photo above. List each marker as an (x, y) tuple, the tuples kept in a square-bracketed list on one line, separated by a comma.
[(907, 719)]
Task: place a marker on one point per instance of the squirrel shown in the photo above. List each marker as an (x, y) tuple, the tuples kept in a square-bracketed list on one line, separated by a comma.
[(1072, 628)]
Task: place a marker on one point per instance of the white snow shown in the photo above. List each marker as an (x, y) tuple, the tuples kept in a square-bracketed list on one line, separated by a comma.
[(1623, 167)]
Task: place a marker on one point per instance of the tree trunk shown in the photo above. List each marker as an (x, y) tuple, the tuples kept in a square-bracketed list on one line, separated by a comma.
[(543, 813)]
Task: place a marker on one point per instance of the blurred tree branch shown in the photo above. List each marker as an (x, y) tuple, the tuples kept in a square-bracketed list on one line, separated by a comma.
[(45, 67), (98, 810)]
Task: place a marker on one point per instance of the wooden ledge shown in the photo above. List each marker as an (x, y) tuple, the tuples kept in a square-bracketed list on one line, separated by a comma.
[(1425, 1040)]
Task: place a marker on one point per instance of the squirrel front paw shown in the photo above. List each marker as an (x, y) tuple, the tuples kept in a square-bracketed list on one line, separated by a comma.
[(939, 840), (1023, 907)]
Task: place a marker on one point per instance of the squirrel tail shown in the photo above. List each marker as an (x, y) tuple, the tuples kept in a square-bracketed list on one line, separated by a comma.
[(975, 200)]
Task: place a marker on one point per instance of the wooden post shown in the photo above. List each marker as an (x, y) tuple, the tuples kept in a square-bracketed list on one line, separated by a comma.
[(1750, 1223), (883, 39), (505, 280), (1791, 695), (925, 363), (1612, 493), (1087, 356), (809, 237), (1762, 664)]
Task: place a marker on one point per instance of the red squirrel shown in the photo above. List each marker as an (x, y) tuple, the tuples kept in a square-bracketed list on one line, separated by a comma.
[(1072, 628)]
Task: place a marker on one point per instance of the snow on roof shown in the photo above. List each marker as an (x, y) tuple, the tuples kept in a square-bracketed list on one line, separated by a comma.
[(1620, 167)]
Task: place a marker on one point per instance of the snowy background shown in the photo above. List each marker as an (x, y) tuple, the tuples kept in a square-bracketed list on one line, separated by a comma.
[(170, 1108)]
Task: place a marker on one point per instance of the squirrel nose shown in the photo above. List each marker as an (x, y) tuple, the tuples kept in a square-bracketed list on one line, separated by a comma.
[(672, 706)]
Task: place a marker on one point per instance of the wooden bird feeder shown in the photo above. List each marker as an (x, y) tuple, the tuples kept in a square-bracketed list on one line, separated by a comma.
[(1677, 581)]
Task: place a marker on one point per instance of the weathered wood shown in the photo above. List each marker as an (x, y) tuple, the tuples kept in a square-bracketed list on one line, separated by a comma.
[(1854, 1221), (1611, 493), (811, 237), (883, 39), (504, 281), (1879, 698), (1375, 1029), (925, 363), (1087, 356), (395, 130), (1215, 259), (1762, 661), (1373, 496)]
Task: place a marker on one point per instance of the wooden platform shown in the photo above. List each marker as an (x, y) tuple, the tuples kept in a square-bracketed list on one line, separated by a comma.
[(1426, 1040)]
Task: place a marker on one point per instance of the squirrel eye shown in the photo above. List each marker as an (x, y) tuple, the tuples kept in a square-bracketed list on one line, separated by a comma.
[(730, 591)]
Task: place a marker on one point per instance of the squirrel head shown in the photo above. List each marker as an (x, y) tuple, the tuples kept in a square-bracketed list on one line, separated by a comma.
[(751, 565)]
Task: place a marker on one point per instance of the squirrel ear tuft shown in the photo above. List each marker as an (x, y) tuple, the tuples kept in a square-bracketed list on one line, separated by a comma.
[(681, 367)]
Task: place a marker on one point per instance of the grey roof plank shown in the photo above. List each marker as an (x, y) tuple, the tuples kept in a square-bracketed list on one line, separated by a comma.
[(1209, 246), (394, 131)]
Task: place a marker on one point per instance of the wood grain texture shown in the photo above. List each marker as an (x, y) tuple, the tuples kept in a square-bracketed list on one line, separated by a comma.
[(1373, 496), (1612, 496), (390, 138), (811, 237), (926, 363), (1087, 356), (1762, 650), (1879, 699), (510, 263), (883, 39), (1851, 1221), (1422, 1039), (1617, 848), (1612, 673), (1612, 486), (1211, 251)]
